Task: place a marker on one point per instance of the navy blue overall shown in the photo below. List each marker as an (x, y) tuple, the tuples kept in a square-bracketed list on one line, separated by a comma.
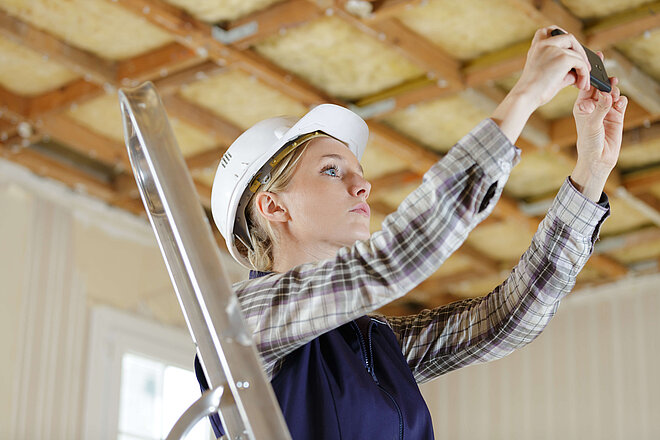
[(349, 383)]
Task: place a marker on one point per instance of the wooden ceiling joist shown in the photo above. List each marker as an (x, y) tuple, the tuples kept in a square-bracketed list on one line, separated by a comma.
[(198, 36), (158, 63), (12, 105), (627, 24), (173, 82), (550, 12), (47, 167), (386, 9), (63, 97), (272, 20), (182, 109), (89, 66), (438, 64), (69, 132), (635, 83)]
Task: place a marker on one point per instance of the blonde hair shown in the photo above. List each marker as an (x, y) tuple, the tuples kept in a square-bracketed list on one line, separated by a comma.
[(261, 232)]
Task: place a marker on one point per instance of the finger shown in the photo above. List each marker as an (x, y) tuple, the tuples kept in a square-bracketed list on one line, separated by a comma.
[(600, 54), (621, 104), (615, 93), (574, 61), (568, 41), (580, 49)]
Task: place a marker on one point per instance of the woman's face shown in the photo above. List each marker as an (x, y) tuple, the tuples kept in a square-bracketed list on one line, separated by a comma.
[(326, 198)]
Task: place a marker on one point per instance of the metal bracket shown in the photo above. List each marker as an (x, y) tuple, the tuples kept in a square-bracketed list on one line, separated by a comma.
[(238, 33)]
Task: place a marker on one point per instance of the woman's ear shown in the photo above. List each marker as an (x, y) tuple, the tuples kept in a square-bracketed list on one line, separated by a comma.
[(270, 207)]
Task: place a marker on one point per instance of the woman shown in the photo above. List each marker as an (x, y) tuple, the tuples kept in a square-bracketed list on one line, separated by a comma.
[(303, 223)]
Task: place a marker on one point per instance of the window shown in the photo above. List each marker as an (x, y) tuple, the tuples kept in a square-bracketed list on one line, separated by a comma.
[(152, 396), (140, 378)]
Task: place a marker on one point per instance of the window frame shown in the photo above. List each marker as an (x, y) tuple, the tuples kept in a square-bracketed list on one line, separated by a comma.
[(113, 333)]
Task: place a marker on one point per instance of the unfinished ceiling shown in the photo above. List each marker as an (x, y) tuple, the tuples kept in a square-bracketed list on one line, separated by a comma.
[(422, 73)]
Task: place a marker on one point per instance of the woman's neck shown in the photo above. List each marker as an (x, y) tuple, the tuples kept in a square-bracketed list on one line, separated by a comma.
[(292, 254)]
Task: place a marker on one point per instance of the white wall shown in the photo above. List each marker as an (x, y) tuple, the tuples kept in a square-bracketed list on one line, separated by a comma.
[(592, 374), (61, 254)]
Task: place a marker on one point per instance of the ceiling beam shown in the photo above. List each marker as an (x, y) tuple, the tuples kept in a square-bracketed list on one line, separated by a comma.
[(83, 63), (171, 83), (63, 97), (438, 64), (84, 140), (48, 167), (634, 83), (198, 36), (619, 27), (158, 63), (200, 117), (386, 9), (275, 19)]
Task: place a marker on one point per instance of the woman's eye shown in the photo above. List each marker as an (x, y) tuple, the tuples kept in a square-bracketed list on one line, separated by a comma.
[(331, 171)]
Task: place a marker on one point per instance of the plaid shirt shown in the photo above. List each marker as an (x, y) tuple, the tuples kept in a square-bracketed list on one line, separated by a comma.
[(287, 310)]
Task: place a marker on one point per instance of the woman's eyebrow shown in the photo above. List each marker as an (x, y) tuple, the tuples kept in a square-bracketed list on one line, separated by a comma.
[(337, 156)]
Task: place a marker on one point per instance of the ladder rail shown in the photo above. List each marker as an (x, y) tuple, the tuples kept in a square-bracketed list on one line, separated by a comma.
[(248, 408)]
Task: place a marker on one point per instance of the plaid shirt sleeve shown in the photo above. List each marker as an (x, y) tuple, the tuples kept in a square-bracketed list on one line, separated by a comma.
[(478, 330), (287, 310)]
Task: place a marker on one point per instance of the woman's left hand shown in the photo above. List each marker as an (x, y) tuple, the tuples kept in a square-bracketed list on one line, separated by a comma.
[(599, 122)]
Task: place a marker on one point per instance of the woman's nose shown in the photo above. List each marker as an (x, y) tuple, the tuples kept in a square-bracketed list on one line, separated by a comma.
[(361, 187)]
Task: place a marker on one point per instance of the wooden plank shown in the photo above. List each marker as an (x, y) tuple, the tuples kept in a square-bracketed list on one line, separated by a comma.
[(387, 9), (157, 64), (90, 66), (547, 13), (173, 82), (181, 108), (627, 24), (74, 92), (639, 183), (205, 158), (198, 36), (419, 50), (640, 135), (68, 132), (71, 176), (405, 97), (274, 19), (419, 158), (13, 105), (552, 12), (384, 184), (627, 240), (204, 193), (496, 65), (608, 266), (636, 84)]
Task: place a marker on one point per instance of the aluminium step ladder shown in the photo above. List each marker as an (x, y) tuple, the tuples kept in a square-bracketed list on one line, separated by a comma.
[(239, 390)]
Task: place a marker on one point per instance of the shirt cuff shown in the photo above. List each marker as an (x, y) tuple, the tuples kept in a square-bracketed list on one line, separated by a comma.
[(490, 149), (579, 212)]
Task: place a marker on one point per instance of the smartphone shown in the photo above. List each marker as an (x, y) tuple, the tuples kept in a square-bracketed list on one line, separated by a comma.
[(598, 75)]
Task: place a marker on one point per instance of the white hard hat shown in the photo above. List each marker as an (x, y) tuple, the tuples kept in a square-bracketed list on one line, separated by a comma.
[(247, 162)]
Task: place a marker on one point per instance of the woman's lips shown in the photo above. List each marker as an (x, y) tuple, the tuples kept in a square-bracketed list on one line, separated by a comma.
[(362, 208)]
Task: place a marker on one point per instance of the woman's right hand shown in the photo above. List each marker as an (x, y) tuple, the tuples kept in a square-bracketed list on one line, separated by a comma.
[(553, 62), (548, 69)]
